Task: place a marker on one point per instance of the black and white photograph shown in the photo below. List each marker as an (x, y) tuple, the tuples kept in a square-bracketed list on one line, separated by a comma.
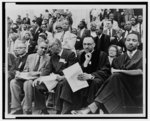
[(74, 60)]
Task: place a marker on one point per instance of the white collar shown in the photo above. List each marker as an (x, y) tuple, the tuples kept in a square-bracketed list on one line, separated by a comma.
[(131, 53), (60, 52), (100, 36), (23, 55)]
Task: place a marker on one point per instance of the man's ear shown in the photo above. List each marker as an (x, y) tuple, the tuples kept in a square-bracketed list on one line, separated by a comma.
[(94, 44)]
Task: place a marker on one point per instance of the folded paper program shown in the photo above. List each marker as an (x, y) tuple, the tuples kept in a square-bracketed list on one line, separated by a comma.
[(49, 81), (71, 73)]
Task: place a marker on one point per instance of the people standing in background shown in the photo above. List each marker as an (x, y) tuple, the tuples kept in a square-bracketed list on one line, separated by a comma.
[(81, 34), (114, 23), (133, 22), (26, 20)]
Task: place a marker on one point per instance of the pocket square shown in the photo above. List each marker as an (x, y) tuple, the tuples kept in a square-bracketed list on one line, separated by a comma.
[(62, 60)]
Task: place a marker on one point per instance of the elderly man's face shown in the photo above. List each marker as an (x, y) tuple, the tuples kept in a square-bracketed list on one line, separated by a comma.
[(132, 42), (88, 45), (42, 47), (21, 49)]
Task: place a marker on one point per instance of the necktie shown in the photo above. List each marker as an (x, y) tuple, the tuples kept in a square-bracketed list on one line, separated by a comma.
[(109, 33), (37, 64), (62, 36)]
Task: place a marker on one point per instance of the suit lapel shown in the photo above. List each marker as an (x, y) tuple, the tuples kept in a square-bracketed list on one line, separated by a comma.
[(60, 64), (42, 62), (35, 60)]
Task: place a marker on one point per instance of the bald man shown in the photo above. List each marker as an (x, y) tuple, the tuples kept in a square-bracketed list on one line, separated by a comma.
[(37, 65), (95, 66)]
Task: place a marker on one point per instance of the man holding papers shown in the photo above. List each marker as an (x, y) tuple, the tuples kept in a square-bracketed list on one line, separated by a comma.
[(60, 59), (122, 91), (36, 65), (96, 69)]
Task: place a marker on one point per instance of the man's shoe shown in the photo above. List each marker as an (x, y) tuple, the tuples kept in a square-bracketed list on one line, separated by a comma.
[(13, 112), (44, 111), (82, 111), (27, 112)]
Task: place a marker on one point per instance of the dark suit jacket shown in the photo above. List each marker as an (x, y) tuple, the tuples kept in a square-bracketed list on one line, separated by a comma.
[(11, 66), (26, 21), (57, 63), (78, 45), (103, 43), (99, 66)]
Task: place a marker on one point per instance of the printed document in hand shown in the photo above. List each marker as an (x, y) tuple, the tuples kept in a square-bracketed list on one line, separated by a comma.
[(71, 73), (49, 81)]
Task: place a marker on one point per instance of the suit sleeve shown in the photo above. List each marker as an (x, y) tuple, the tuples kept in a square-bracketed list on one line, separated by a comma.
[(48, 68), (26, 67), (71, 59), (103, 71)]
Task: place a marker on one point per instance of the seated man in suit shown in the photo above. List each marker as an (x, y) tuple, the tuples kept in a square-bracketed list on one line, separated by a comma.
[(16, 64), (96, 69), (122, 91), (36, 65), (60, 59)]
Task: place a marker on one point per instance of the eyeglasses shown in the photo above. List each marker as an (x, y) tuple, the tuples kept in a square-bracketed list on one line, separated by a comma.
[(88, 44)]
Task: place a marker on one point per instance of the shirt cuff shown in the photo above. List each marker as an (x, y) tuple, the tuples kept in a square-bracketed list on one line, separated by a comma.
[(93, 107)]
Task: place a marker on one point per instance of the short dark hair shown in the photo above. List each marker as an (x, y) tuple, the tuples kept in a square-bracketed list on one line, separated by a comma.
[(137, 34)]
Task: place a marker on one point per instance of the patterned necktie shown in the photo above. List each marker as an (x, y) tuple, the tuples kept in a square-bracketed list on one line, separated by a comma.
[(37, 64)]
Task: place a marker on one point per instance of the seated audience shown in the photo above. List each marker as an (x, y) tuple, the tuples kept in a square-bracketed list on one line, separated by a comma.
[(37, 65), (61, 58)]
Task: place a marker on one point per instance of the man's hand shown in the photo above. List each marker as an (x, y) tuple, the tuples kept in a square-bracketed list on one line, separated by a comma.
[(84, 76), (88, 57), (37, 81), (59, 78), (17, 74)]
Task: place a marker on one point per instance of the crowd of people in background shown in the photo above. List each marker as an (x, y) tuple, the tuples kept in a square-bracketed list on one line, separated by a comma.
[(49, 33)]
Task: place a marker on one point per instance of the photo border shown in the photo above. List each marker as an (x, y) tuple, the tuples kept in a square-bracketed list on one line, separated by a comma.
[(72, 3)]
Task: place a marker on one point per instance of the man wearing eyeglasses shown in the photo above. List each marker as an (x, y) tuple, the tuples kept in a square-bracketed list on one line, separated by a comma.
[(96, 68), (37, 65)]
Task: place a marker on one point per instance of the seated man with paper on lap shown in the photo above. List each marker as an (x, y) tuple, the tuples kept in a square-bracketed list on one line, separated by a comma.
[(60, 59), (93, 70), (36, 65)]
